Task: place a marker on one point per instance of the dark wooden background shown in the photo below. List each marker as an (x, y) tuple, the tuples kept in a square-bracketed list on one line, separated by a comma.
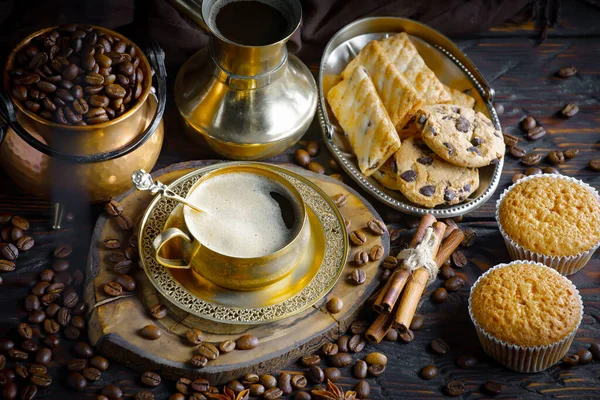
[(523, 74)]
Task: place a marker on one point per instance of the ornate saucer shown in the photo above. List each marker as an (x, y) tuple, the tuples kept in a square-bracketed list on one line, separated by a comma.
[(309, 282)]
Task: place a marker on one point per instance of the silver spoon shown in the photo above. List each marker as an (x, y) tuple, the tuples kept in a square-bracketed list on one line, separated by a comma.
[(143, 181)]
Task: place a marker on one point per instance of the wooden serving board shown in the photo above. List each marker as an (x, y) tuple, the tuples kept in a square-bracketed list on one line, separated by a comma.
[(114, 326)]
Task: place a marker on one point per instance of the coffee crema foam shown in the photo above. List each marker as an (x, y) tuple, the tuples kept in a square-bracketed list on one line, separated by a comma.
[(241, 218)]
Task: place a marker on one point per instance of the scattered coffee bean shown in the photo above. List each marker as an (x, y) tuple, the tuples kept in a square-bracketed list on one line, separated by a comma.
[(77, 364), (359, 370), (272, 394), (227, 346), (439, 295), (63, 251), (132, 254), (51, 326), (299, 381), (37, 317), (359, 327), (358, 238), (19, 222), (99, 363), (28, 392), (285, 383), (342, 343), (302, 157), (313, 148), (459, 259), (117, 256), (6, 344), (60, 265), (269, 381), (567, 72), (416, 323), (447, 272), (52, 341), (570, 153), (550, 170), (151, 332), (510, 140), (466, 361), (585, 356), (358, 276), (209, 351), (151, 379), (10, 390), (332, 374), (127, 282), (24, 330), (310, 360), (376, 253), (361, 258), (183, 385), (429, 372), (407, 336), (492, 387), (7, 266), (439, 346), (455, 388), (594, 164), (29, 346), (391, 335), (256, 390), (198, 361), (470, 236), (76, 381), (194, 336), (335, 305), (18, 354), (246, 342), (316, 167), (341, 360), (144, 395), (113, 289), (113, 208), (158, 311), (377, 227), (595, 350), (556, 157), (376, 358), (72, 332), (339, 199), (356, 344), (533, 171), (528, 123), (536, 133), (569, 110), (517, 177), (91, 374), (10, 252), (113, 392), (517, 152), (454, 284), (250, 379), (124, 222), (389, 262), (202, 385), (25, 243), (376, 370)]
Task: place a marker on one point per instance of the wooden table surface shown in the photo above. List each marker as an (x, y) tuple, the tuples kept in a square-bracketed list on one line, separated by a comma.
[(523, 74)]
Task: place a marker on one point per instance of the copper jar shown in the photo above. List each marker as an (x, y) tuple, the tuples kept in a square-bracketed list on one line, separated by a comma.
[(95, 161)]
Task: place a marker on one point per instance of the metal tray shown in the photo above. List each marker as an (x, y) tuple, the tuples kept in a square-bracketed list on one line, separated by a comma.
[(450, 65)]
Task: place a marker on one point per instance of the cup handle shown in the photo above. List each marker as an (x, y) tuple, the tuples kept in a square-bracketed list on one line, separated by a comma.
[(166, 236)]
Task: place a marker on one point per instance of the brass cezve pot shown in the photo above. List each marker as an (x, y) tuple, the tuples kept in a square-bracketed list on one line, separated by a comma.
[(95, 161), (238, 273)]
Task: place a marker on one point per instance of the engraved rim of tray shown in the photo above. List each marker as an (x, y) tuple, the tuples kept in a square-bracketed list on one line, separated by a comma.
[(332, 266), (487, 94)]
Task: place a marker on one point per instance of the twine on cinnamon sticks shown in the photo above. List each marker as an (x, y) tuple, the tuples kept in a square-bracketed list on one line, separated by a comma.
[(428, 250)]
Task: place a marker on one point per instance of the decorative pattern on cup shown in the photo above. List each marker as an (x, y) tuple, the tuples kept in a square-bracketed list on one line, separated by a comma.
[(566, 265), (523, 358)]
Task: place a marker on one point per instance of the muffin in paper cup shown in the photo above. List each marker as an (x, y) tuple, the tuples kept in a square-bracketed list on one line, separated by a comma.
[(552, 219), (509, 319)]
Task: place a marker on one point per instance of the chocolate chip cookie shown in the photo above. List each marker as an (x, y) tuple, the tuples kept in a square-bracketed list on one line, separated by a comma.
[(426, 179), (460, 135), (387, 174)]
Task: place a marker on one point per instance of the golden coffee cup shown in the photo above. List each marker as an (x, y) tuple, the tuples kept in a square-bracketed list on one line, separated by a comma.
[(233, 271)]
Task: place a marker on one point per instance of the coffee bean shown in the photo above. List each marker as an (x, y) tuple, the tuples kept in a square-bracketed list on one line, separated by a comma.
[(10, 390), (29, 346), (594, 349), (28, 392), (377, 227), (198, 361), (124, 222), (493, 388), (158, 311), (362, 389), (123, 267), (375, 358), (416, 323), (510, 140), (246, 342), (315, 374), (447, 272), (77, 364), (7, 266), (272, 394), (83, 349), (440, 346), (407, 336), (227, 346), (268, 381), (208, 350), (313, 148), (6, 344), (51, 327), (556, 157), (19, 222), (339, 199), (256, 390), (358, 238), (361, 258), (594, 164), (536, 133), (150, 379), (302, 157), (316, 167), (466, 361), (391, 335), (342, 343), (335, 305), (41, 380), (18, 354), (567, 72), (341, 360), (517, 177), (299, 381), (37, 317), (356, 344), (389, 262), (32, 302), (25, 243), (21, 371), (194, 336), (24, 330), (533, 171), (332, 374), (376, 253), (91, 374), (52, 341), (78, 322), (517, 152), (358, 276), (376, 370), (429, 372), (569, 110), (71, 333), (43, 356), (329, 349), (285, 383), (113, 208), (309, 360), (151, 332), (127, 282), (585, 356), (60, 265), (70, 297), (183, 385), (113, 289), (455, 388), (454, 284), (132, 254), (439, 295), (16, 234), (144, 395), (112, 392), (63, 251), (10, 252)]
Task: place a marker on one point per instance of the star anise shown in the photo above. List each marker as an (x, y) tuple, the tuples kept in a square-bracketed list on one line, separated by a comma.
[(333, 392), (229, 394)]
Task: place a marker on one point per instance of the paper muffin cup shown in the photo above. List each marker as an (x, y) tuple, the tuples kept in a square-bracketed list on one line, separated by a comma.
[(523, 358), (566, 265)]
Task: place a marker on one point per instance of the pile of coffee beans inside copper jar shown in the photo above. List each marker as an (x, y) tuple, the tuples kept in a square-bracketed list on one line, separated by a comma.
[(77, 75)]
